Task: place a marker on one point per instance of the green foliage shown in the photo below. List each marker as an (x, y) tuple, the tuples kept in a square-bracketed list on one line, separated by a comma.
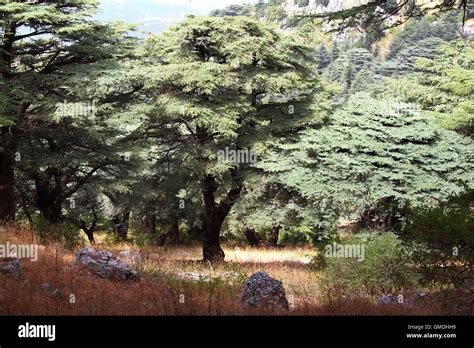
[(370, 150), (222, 83), (142, 239), (67, 234), (386, 267), (443, 28), (233, 10), (170, 104), (444, 88), (443, 237), (323, 57), (352, 67), (419, 39), (61, 54)]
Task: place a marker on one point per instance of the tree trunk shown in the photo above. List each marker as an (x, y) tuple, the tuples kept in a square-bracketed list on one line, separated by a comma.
[(120, 224), (149, 223), (161, 240), (90, 234), (253, 237), (215, 214), (174, 233), (49, 207), (7, 176), (7, 192), (89, 231), (52, 213), (274, 233), (211, 230)]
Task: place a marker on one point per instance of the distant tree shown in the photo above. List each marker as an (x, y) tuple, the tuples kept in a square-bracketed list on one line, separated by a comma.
[(443, 86), (323, 58), (362, 80), (348, 66), (233, 10), (419, 39)]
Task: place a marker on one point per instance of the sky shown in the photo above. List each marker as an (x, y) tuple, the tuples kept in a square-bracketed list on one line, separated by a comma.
[(157, 15)]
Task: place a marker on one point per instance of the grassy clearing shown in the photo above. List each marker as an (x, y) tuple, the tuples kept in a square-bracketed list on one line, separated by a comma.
[(162, 290)]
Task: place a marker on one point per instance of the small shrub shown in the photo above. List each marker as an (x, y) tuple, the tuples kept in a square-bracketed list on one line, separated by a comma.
[(142, 239), (65, 233), (385, 267)]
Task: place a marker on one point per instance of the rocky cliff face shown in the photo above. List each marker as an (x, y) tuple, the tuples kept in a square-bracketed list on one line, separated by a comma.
[(288, 10), (293, 7)]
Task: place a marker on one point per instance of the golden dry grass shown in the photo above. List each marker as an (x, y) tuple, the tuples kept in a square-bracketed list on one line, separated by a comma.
[(162, 292)]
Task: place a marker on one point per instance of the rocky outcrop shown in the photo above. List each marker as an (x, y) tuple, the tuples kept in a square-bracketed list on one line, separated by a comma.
[(105, 265), (262, 291)]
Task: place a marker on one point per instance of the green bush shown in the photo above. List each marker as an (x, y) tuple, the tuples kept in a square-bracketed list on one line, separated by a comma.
[(142, 239), (443, 240), (385, 267), (66, 233)]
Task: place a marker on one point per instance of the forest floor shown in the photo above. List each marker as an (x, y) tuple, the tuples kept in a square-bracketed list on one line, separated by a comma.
[(174, 281)]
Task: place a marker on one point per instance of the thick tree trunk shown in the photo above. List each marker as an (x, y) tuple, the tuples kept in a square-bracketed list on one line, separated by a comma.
[(7, 149), (211, 230), (253, 237), (120, 224), (49, 206), (7, 192), (274, 233), (52, 212), (215, 214)]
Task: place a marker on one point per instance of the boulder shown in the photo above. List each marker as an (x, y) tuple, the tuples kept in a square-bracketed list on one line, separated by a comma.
[(262, 291), (105, 265), (11, 267)]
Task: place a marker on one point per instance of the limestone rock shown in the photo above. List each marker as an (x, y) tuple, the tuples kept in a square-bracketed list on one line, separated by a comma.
[(11, 267), (262, 291), (105, 265)]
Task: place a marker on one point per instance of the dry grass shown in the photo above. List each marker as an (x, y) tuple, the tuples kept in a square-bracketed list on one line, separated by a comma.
[(161, 291)]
